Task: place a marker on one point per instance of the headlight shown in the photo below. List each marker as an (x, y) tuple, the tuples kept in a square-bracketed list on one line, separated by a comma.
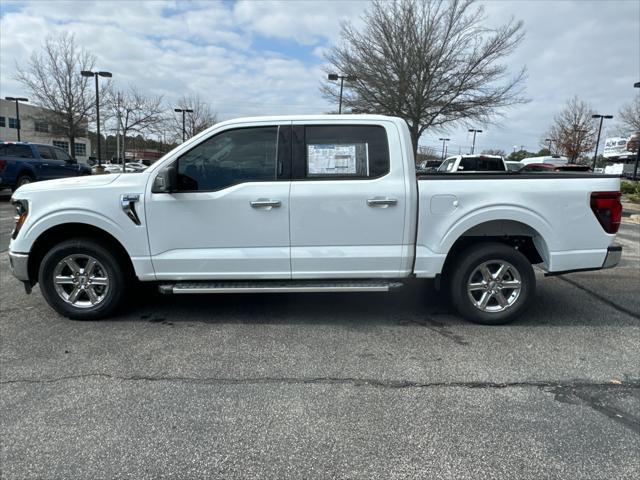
[(22, 210)]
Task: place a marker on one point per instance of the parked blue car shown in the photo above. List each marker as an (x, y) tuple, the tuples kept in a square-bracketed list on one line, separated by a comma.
[(22, 163)]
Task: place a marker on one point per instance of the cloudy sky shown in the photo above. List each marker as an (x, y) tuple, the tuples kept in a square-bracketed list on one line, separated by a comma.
[(266, 57)]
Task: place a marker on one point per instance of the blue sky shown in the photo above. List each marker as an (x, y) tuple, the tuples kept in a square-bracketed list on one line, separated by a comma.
[(266, 57)]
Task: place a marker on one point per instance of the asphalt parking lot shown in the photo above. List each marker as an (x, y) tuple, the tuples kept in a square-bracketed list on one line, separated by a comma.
[(325, 385)]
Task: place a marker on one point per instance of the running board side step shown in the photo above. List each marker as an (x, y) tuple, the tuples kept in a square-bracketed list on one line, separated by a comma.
[(280, 286)]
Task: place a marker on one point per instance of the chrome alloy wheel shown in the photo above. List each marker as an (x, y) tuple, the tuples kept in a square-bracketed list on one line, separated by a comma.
[(494, 286), (81, 281)]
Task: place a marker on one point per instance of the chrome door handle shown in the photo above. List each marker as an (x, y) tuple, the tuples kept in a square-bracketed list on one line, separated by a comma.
[(262, 203), (381, 202)]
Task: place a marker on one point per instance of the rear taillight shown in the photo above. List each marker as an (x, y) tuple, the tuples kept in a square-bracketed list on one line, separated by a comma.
[(3, 165), (607, 208)]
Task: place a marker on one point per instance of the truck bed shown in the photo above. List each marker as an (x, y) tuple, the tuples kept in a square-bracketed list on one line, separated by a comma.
[(552, 208)]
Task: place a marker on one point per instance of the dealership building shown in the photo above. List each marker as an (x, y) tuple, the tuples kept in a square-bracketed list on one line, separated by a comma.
[(34, 128)]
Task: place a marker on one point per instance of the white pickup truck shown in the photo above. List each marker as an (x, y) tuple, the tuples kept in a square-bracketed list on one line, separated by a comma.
[(308, 204)]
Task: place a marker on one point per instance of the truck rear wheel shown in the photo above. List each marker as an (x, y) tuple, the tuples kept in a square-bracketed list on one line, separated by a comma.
[(82, 280), (492, 283)]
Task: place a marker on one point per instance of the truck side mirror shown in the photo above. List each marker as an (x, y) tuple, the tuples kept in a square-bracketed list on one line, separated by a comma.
[(167, 180)]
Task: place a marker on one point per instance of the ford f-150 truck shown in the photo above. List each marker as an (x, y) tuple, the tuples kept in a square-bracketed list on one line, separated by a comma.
[(309, 204), (22, 163)]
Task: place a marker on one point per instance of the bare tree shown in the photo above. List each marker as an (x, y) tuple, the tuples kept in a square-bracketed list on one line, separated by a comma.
[(629, 116), (431, 62), (132, 112), (52, 76), (573, 131), (494, 151), (426, 153), (200, 119)]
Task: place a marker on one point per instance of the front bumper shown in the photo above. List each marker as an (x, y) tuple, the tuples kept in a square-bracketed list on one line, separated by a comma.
[(19, 264)]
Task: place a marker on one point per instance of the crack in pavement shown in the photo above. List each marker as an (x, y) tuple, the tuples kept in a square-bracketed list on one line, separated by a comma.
[(573, 392), (333, 381)]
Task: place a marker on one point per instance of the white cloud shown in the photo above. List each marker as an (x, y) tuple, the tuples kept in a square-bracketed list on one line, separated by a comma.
[(201, 50), (303, 21)]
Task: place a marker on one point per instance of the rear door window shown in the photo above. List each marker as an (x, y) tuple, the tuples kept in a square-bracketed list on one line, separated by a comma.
[(468, 165), (346, 151), (481, 164), (490, 165)]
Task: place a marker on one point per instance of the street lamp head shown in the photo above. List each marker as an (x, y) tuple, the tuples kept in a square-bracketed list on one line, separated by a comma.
[(177, 110), (608, 116), (16, 99), (105, 74), (332, 76), (636, 85), (188, 110), (86, 73)]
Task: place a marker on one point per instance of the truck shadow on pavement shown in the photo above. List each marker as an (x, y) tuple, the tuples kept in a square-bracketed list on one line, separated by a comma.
[(556, 303)]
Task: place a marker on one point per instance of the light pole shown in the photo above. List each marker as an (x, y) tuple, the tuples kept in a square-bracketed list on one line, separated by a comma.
[(334, 77), (595, 154), (473, 147), (17, 99), (444, 140), (184, 111), (635, 169), (89, 73), (549, 140)]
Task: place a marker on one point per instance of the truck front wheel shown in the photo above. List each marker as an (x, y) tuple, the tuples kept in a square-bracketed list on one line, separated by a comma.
[(82, 280), (22, 180), (491, 283)]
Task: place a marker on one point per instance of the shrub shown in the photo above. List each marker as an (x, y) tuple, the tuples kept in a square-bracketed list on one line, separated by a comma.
[(630, 188), (627, 187)]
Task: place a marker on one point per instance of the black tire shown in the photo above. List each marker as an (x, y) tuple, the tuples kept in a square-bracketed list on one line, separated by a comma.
[(22, 180), (517, 268), (108, 266)]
